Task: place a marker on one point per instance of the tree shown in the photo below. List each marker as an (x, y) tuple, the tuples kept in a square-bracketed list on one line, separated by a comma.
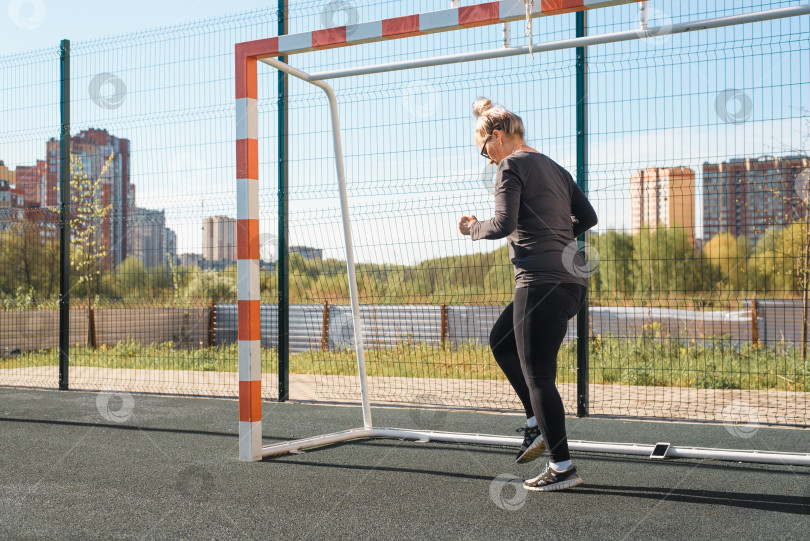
[(88, 213), (29, 262), (728, 257), (799, 198), (132, 280), (664, 261), (211, 285), (615, 264), (794, 241), (802, 187), (499, 282), (804, 262)]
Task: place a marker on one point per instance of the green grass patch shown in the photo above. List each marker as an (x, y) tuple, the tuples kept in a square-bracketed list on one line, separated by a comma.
[(714, 364)]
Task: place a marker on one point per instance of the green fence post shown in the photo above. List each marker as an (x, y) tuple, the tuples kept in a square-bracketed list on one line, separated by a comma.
[(282, 266), (582, 181), (64, 225)]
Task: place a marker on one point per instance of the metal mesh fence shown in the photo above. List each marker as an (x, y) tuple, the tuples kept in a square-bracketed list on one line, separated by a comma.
[(698, 145), (29, 252), (155, 248), (672, 333), (697, 168)]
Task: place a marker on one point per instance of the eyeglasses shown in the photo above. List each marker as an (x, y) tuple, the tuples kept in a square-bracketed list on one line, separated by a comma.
[(484, 148)]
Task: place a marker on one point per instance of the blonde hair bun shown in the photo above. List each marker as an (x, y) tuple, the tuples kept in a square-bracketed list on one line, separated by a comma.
[(481, 106), (495, 117)]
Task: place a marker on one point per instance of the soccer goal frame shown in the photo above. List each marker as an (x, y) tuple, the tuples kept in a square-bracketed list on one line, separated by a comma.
[(247, 56)]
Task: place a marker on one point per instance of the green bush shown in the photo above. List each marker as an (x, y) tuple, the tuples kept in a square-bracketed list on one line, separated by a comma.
[(210, 284)]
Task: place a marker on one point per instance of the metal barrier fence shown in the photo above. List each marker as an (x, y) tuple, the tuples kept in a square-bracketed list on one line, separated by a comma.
[(331, 326), (697, 164)]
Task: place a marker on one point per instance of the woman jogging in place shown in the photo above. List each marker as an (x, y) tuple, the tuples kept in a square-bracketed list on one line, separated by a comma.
[(540, 210)]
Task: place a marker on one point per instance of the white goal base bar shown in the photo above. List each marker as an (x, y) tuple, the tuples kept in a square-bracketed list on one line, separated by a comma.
[(761, 457)]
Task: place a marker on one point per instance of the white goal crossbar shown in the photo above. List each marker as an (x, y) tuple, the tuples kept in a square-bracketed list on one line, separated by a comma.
[(247, 54)]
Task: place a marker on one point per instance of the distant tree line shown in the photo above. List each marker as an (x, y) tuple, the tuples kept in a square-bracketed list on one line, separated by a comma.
[(653, 266)]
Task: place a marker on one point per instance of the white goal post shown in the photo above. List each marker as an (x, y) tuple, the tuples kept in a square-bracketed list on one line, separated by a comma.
[(247, 55)]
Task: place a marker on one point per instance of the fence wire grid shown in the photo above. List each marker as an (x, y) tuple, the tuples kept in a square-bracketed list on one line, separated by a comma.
[(697, 166)]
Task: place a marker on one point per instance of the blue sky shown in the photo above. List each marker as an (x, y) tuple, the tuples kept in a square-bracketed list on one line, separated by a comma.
[(91, 19), (406, 135)]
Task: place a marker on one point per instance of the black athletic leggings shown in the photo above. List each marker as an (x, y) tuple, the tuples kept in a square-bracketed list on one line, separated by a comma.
[(525, 341)]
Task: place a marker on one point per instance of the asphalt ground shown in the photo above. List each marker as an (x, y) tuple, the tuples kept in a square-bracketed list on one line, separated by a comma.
[(88, 465)]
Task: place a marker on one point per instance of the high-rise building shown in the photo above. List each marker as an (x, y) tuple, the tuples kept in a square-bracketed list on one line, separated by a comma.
[(31, 180), (147, 228), (94, 147), (747, 196), (219, 239), (170, 246), (663, 197)]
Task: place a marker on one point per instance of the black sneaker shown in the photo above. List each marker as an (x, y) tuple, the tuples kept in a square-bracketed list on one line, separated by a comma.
[(533, 444), (553, 480)]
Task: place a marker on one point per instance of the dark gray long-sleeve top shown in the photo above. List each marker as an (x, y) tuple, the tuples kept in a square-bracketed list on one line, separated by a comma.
[(540, 210)]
